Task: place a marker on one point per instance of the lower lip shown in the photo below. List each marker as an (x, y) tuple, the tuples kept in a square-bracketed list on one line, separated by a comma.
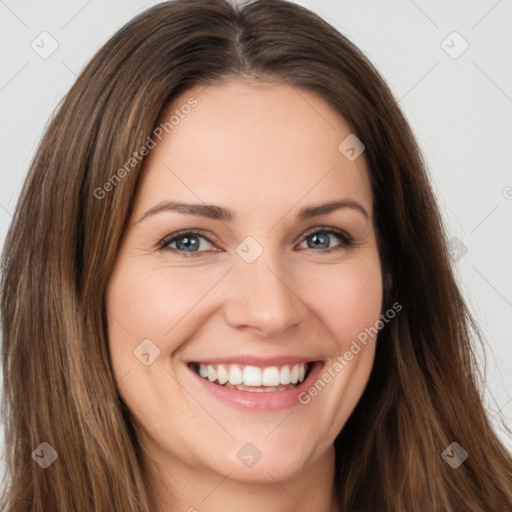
[(260, 401)]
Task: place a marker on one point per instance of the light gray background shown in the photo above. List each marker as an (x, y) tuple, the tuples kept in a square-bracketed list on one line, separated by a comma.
[(460, 110)]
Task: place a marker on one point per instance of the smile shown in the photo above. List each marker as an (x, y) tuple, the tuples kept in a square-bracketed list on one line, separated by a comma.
[(253, 378), (254, 383)]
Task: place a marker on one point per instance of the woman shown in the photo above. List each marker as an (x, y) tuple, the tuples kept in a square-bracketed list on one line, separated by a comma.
[(226, 286)]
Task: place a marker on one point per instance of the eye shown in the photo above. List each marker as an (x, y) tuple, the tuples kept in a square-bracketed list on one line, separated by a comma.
[(320, 238), (185, 242)]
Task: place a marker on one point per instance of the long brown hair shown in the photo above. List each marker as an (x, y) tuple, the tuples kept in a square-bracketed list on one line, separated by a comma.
[(59, 387)]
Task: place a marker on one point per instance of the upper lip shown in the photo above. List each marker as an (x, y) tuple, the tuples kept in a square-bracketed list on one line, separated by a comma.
[(261, 362)]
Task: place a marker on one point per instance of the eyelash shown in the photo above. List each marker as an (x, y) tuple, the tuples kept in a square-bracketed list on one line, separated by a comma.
[(346, 240)]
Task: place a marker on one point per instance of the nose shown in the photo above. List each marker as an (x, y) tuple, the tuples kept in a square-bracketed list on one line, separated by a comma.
[(263, 297)]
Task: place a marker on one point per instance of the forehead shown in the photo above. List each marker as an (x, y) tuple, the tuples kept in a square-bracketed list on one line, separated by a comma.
[(253, 144)]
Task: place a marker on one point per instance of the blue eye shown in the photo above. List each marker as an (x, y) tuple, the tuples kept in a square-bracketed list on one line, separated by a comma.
[(320, 238), (187, 243)]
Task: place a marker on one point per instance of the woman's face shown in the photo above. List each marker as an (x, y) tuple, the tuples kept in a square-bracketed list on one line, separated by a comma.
[(275, 286)]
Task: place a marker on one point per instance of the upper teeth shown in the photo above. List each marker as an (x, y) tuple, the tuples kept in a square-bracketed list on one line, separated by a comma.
[(252, 375)]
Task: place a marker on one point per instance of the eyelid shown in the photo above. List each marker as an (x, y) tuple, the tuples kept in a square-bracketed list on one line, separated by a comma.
[(179, 234), (327, 229)]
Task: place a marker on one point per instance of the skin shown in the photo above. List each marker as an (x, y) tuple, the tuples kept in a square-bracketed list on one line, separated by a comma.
[(264, 151)]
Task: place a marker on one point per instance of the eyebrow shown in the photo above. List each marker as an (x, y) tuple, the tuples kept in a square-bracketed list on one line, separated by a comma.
[(215, 212)]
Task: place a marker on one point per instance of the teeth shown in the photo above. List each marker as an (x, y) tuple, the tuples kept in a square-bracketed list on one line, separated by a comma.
[(302, 372), (235, 375), (212, 373), (285, 376), (245, 377), (270, 376), (222, 375), (241, 387), (252, 376), (294, 374)]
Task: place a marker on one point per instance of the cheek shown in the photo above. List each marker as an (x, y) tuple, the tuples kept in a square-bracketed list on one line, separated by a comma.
[(151, 302), (347, 298)]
